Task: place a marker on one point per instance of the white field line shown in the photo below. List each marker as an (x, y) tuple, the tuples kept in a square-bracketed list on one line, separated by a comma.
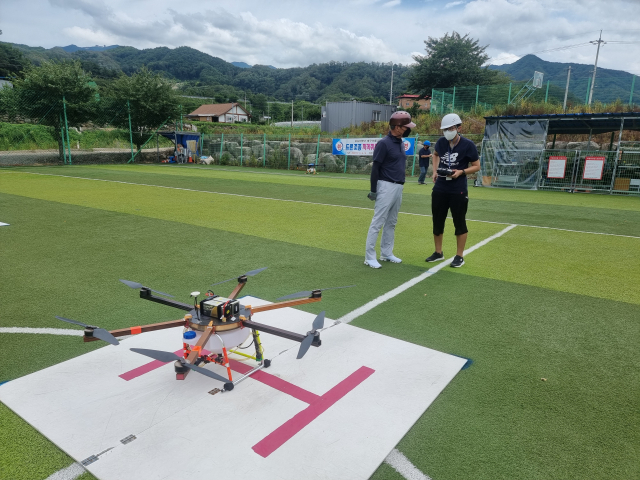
[(405, 286), (315, 203), (48, 331), (72, 472), (403, 466)]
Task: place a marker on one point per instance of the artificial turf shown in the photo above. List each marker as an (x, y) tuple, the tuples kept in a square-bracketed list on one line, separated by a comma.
[(532, 304), (596, 213), (552, 391)]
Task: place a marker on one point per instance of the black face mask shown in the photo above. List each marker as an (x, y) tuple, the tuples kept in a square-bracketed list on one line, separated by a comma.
[(407, 132)]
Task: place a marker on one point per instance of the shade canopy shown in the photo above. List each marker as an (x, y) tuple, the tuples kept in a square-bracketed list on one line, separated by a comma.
[(578, 123)]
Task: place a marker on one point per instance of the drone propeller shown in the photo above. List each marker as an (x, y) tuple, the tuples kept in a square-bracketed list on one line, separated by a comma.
[(308, 293), (100, 333), (137, 285), (248, 274), (318, 323), (167, 357)]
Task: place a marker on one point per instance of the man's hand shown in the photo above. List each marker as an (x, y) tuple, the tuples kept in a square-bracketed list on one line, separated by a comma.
[(434, 176), (457, 173), (372, 195)]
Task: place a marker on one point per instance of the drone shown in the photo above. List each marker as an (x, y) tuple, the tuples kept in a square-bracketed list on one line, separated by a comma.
[(213, 327)]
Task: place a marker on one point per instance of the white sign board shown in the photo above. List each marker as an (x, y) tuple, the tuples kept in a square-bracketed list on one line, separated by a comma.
[(593, 168), (557, 167)]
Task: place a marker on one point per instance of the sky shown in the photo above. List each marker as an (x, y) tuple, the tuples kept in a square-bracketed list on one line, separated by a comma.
[(299, 33)]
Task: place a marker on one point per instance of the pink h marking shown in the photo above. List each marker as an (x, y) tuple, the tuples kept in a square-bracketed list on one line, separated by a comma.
[(317, 404)]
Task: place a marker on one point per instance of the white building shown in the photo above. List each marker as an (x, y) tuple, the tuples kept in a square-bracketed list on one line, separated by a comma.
[(220, 112)]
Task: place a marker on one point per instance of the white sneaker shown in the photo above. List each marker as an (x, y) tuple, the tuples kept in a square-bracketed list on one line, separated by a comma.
[(373, 263), (391, 259)]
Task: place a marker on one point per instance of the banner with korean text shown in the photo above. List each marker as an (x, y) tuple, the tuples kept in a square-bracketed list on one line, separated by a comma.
[(365, 146)]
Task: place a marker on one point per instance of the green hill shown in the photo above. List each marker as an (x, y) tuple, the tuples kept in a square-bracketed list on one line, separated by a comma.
[(201, 74)]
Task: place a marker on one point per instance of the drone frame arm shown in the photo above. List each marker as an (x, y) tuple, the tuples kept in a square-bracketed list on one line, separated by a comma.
[(141, 329), (238, 289), (296, 337), (147, 295), (196, 351), (290, 303)]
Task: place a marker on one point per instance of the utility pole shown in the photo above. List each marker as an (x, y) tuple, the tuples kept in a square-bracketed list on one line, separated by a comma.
[(391, 92), (566, 91), (595, 66), (291, 113)]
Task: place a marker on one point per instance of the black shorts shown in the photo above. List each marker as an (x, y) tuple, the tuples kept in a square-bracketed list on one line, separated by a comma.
[(441, 203)]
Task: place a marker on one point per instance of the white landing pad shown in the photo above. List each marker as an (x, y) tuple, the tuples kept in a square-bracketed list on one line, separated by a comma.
[(335, 414)]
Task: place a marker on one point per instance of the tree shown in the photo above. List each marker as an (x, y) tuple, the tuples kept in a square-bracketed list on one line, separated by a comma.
[(258, 105), (452, 61), (12, 62), (56, 94), (150, 100)]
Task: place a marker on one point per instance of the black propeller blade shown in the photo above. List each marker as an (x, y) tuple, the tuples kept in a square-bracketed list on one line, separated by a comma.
[(167, 357), (308, 293), (248, 274), (318, 323), (137, 285), (100, 333)]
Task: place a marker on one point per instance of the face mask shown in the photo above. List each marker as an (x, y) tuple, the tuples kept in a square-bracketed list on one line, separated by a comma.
[(450, 134), (406, 132)]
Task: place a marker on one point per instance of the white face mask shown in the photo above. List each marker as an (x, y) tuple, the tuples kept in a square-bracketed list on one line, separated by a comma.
[(450, 134)]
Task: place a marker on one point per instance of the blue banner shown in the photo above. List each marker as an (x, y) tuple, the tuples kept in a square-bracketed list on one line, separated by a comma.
[(365, 146)]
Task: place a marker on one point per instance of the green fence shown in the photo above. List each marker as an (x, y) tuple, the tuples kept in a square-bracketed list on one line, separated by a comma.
[(291, 152), (36, 129), (471, 98)]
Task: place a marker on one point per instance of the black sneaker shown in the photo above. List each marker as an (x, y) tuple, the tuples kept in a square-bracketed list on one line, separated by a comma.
[(436, 257), (458, 261)]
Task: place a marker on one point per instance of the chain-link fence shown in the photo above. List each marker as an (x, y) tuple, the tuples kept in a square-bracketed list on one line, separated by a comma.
[(291, 152), (484, 97), (587, 171), (37, 129)]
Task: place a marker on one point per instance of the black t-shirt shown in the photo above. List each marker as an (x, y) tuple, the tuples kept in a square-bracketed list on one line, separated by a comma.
[(424, 162), (389, 153), (457, 158)]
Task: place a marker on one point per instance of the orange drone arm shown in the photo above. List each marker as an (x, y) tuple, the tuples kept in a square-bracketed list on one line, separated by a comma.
[(237, 290), (144, 328), (196, 350), (290, 303)]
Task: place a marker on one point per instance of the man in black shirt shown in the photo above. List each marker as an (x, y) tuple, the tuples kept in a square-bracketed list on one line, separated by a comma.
[(454, 158), (387, 180), (424, 155)]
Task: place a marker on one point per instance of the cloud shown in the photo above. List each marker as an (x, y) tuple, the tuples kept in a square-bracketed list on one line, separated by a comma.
[(502, 58), (237, 36), (294, 33)]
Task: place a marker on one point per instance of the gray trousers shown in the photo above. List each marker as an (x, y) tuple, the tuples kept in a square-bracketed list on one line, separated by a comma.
[(385, 216)]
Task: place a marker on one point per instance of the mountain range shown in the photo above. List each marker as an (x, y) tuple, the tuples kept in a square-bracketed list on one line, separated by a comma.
[(199, 73)]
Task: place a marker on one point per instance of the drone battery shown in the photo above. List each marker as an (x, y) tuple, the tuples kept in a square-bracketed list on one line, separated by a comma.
[(214, 308)]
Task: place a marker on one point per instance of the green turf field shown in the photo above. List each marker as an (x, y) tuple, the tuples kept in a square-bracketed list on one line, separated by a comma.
[(555, 303)]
